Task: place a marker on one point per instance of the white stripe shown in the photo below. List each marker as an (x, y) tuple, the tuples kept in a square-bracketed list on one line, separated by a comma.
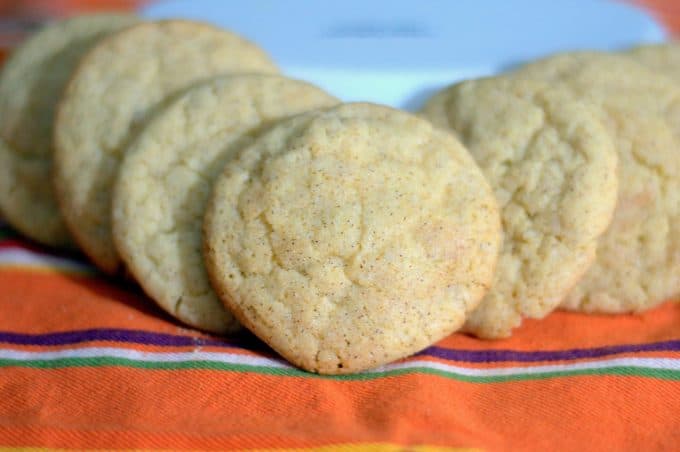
[(136, 355), (230, 358), (653, 363), (17, 256)]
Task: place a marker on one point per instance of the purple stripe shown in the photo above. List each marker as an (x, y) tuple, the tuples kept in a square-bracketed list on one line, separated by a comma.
[(489, 356), (250, 343), (120, 335)]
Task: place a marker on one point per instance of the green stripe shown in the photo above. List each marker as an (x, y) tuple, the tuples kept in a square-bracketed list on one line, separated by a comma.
[(628, 371)]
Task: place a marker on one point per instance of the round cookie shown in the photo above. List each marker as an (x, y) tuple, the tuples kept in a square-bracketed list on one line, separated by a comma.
[(552, 165), (165, 179), (662, 58), (638, 258), (118, 85), (31, 83), (351, 237)]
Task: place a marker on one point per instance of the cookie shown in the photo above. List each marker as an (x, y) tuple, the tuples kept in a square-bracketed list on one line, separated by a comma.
[(638, 258), (552, 165), (116, 87), (31, 83), (352, 237), (662, 58), (165, 179)]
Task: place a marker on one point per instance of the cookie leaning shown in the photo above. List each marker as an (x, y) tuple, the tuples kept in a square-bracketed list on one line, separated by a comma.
[(662, 58), (352, 237), (31, 83), (116, 87), (165, 179), (552, 165), (638, 258)]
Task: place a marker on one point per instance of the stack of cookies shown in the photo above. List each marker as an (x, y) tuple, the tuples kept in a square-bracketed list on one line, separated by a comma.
[(344, 235), (555, 138)]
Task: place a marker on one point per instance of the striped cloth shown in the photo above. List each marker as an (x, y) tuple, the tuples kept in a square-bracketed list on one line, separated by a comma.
[(88, 362)]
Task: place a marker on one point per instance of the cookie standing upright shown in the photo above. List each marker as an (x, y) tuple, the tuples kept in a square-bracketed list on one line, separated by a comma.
[(31, 83), (349, 238), (165, 180), (552, 165), (663, 58), (116, 87), (638, 258)]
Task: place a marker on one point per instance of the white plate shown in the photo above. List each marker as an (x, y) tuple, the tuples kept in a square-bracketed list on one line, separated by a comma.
[(397, 52)]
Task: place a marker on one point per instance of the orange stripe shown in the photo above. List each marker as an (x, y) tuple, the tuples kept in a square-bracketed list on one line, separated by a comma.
[(46, 302), (40, 300), (153, 408), (583, 331)]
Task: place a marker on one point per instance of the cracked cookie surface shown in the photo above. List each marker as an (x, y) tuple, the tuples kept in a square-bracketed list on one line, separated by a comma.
[(552, 165), (165, 179), (638, 257), (31, 84), (118, 85), (351, 237)]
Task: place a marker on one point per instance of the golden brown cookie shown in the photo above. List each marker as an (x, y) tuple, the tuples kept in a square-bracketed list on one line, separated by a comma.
[(552, 165), (116, 87), (165, 179), (638, 258), (351, 237), (31, 84)]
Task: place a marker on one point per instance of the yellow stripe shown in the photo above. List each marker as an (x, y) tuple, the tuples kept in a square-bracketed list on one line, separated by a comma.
[(353, 447), (373, 447)]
